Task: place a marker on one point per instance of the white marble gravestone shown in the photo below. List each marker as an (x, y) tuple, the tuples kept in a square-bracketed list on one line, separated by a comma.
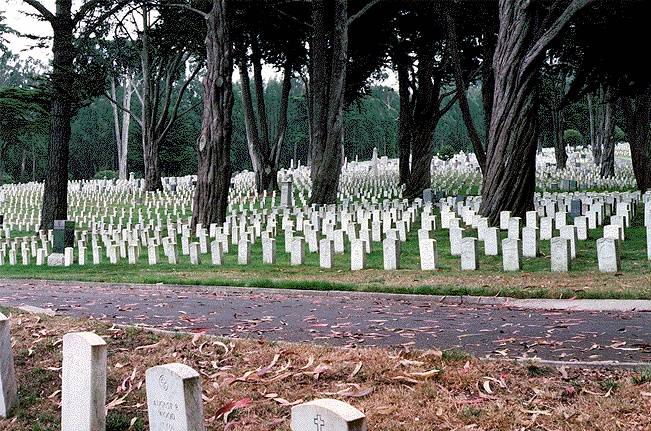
[(391, 254), (174, 398), (83, 393), (492, 242), (326, 252), (8, 388), (561, 254), (469, 258), (608, 255), (297, 256), (511, 254), (357, 255), (428, 254), (327, 415)]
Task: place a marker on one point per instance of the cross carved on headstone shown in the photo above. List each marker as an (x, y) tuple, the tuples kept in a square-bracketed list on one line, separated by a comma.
[(319, 422)]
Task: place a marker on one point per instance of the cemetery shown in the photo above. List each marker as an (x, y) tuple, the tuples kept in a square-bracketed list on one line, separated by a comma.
[(325, 215), (375, 238)]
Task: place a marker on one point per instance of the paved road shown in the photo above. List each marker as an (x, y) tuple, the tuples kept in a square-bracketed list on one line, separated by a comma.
[(350, 319)]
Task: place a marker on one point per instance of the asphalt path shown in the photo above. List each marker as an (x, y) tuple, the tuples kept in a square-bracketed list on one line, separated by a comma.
[(350, 319)]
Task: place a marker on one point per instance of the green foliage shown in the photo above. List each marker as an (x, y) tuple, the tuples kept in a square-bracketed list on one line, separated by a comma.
[(609, 385), (119, 422), (619, 135), (643, 377), (536, 370), (105, 175), (455, 355), (446, 152), (572, 138)]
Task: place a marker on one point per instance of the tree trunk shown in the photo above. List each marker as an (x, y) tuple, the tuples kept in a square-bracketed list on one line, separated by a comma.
[(488, 74), (55, 194), (637, 115), (607, 144), (281, 127), (559, 144), (591, 130), (255, 146), (459, 80), (214, 168), (121, 129), (426, 114), (265, 157), (150, 143), (405, 116), (559, 149), (328, 78), (509, 181), (23, 164)]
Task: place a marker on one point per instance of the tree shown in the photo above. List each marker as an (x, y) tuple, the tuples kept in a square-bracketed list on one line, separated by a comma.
[(327, 86), (214, 169), (637, 119), (122, 125), (123, 83), (66, 49), (164, 53), (422, 57), (329, 92), (266, 38), (24, 114), (526, 30)]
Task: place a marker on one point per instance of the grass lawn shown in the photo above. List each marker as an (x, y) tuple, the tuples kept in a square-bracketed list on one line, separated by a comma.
[(397, 390), (534, 281)]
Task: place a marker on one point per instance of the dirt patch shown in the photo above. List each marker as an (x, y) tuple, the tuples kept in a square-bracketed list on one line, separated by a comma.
[(398, 390)]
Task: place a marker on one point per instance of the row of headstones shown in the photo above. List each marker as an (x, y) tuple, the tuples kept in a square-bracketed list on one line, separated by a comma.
[(174, 396)]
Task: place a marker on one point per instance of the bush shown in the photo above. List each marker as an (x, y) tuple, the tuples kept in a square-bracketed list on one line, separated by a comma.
[(446, 152), (105, 175), (6, 179), (572, 138), (619, 135)]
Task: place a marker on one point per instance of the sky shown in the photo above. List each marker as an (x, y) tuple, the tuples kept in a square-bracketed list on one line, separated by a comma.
[(14, 18)]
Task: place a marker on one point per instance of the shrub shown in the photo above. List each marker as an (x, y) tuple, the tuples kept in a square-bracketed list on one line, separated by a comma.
[(105, 175), (619, 135), (446, 152), (572, 137)]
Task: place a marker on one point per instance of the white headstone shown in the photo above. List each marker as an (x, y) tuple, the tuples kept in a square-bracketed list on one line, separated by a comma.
[(511, 254), (83, 393), (327, 415), (469, 261), (608, 255), (428, 254), (560, 254), (8, 388), (357, 255), (174, 398)]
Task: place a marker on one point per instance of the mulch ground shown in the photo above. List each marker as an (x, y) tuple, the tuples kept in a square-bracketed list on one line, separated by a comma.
[(249, 385)]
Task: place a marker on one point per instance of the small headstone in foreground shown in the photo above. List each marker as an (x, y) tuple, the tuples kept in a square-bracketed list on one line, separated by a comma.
[(174, 398), (83, 394), (8, 389), (327, 415)]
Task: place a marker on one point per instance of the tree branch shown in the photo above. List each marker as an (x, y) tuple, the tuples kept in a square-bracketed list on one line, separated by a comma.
[(121, 108), (45, 13), (543, 42), (363, 11)]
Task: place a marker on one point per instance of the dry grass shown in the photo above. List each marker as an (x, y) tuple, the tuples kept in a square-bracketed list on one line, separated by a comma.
[(398, 390)]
